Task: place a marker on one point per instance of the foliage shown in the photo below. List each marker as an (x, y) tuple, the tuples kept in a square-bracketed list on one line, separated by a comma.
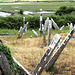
[(15, 68), (21, 11), (15, 22), (64, 10)]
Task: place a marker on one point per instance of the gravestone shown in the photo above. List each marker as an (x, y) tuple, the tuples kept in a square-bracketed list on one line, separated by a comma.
[(71, 26), (22, 30), (49, 32), (46, 23), (23, 20), (41, 21), (1, 40), (35, 32), (58, 51), (39, 68), (62, 27), (54, 24), (4, 65), (20, 33)]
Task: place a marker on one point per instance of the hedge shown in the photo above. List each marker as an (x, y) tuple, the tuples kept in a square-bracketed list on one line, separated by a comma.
[(34, 22)]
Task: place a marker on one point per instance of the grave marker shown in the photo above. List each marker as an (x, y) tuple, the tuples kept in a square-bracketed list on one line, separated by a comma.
[(49, 32), (4, 65), (62, 27), (54, 24), (40, 20), (46, 23), (55, 56), (35, 32), (23, 20), (71, 26), (39, 68)]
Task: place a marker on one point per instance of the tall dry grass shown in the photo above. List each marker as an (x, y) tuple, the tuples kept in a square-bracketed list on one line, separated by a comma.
[(28, 52)]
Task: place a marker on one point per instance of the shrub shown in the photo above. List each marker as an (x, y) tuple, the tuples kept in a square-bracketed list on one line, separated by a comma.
[(64, 10), (21, 11), (15, 68)]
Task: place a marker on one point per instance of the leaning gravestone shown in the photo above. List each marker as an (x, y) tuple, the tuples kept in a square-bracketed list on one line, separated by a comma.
[(62, 27), (35, 32), (49, 32), (58, 51), (54, 24), (4, 65), (39, 68), (1, 40), (46, 23)]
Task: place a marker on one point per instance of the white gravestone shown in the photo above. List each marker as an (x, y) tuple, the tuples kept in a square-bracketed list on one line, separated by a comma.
[(39, 68), (62, 27), (46, 23), (68, 25), (54, 24), (49, 32), (40, 20), (71, 26), (35, 32)]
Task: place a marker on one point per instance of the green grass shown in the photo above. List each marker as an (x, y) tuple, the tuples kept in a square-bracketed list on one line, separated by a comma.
[(29, 32), (8, 31), (36, 6)]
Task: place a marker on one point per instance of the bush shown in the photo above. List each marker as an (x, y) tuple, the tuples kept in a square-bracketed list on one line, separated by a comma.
[(15, 68), (34, 21), (21, 11), (64, 10)]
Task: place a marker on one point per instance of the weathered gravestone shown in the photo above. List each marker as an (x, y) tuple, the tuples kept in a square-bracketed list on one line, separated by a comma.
[(39, 68), (4, 65), (54, 24), (62, 27), (35, 32), (1, 40), (22, 30), (58, 51), (41, 21), (70, 26), (46, 23), (49, 32)]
